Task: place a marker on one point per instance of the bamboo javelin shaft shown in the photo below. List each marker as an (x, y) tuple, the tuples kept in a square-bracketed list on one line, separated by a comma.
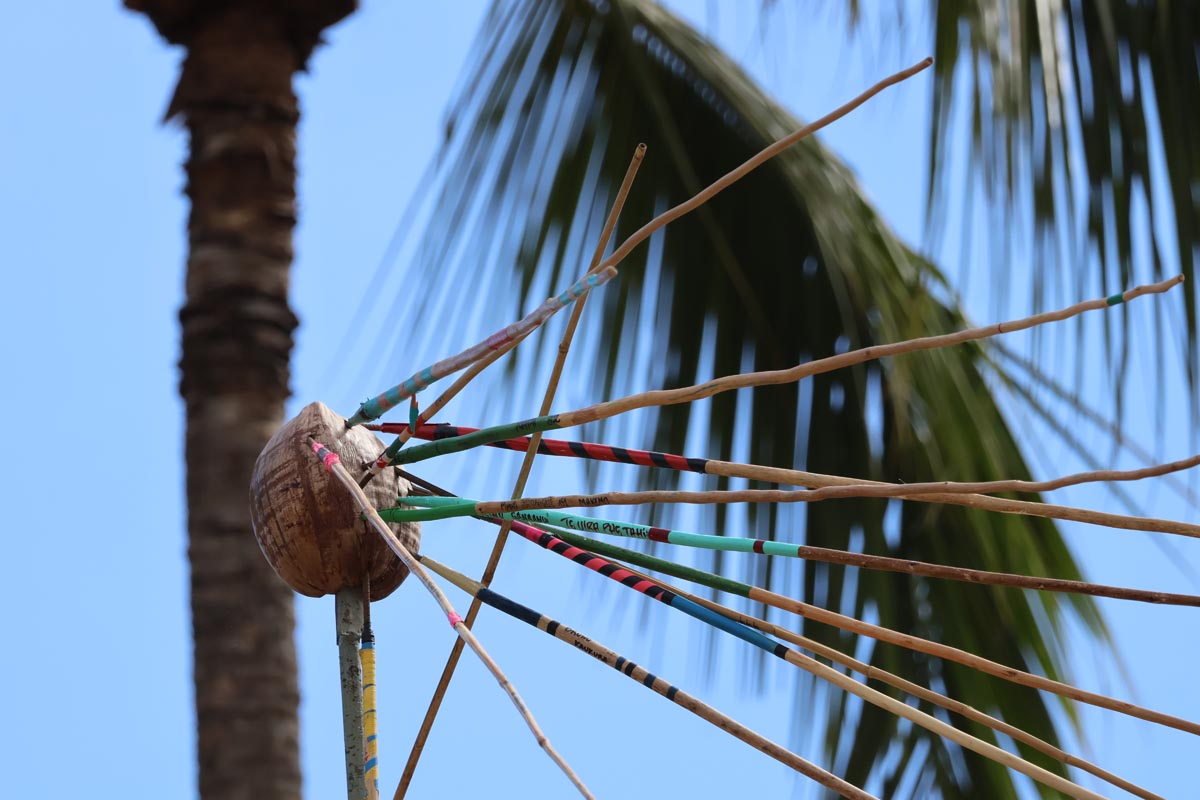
[(652, 589), (493, 561), (843, 622), (756, 161), (969, 659), (388, 400), (377, 406), (935, 725), (445, 397), (916, 690), (492, 507), (647, 679), (551, 447), (680, 210), (687, 394), (1152, 524), (852, 625), (471, 437), (989, 487), (603, 452), (829, 555), (817, 481), (384, 460), (1099, 420), (333, 464), (731, 586)]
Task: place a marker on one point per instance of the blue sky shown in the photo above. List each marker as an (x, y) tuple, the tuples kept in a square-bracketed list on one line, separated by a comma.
[(96, 689)]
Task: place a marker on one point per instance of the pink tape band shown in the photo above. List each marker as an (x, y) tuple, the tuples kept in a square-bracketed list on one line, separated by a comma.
[(498, 339), (328, 457), (454, 619)]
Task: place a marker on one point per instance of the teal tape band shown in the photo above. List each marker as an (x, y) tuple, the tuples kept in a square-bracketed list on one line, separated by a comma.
[(578, 289), (633, 530), (432, 501), (1116, 299), (370, 409), (413, 413)]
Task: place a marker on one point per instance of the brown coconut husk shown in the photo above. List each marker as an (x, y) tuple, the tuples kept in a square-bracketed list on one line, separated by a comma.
[(307, 525)]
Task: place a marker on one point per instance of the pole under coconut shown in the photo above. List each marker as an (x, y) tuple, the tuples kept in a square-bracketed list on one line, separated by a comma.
[(348, 607), (301, 517)]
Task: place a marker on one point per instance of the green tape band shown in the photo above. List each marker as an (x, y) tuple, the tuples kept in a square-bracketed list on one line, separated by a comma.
[(462, 508), (477, 439)]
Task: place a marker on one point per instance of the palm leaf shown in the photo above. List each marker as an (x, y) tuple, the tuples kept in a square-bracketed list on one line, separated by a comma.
[(1083, 117), (788, 265)]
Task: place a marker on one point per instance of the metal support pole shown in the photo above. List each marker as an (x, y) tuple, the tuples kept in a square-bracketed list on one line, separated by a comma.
[(348, 606)]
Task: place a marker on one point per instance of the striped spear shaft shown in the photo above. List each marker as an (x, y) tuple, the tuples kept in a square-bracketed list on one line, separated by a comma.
[(871, 672), (648, 587), (647, 679), (831, 484), (824, 616), (768, 547), (555, 447), (823, 486), (651, 589)]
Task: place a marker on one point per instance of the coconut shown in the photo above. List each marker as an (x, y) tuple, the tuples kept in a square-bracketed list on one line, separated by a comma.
[(306, 522)]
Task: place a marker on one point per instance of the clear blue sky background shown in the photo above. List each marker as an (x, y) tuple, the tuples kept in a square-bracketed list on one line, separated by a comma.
[(95, 679)]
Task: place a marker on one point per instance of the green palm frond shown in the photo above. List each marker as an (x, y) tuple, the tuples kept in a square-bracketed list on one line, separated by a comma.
[(1084, 120), (788, 265)]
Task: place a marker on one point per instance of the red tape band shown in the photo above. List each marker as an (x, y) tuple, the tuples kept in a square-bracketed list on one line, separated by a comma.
[(454, 619)]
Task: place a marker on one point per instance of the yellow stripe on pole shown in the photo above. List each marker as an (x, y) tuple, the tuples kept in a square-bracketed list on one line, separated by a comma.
[(367, 657)]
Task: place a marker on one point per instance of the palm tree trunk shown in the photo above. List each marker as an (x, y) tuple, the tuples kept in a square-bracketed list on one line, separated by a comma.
[(235, 97)]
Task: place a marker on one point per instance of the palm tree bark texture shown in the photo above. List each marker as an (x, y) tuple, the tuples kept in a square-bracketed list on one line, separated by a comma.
[(235, 97)]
